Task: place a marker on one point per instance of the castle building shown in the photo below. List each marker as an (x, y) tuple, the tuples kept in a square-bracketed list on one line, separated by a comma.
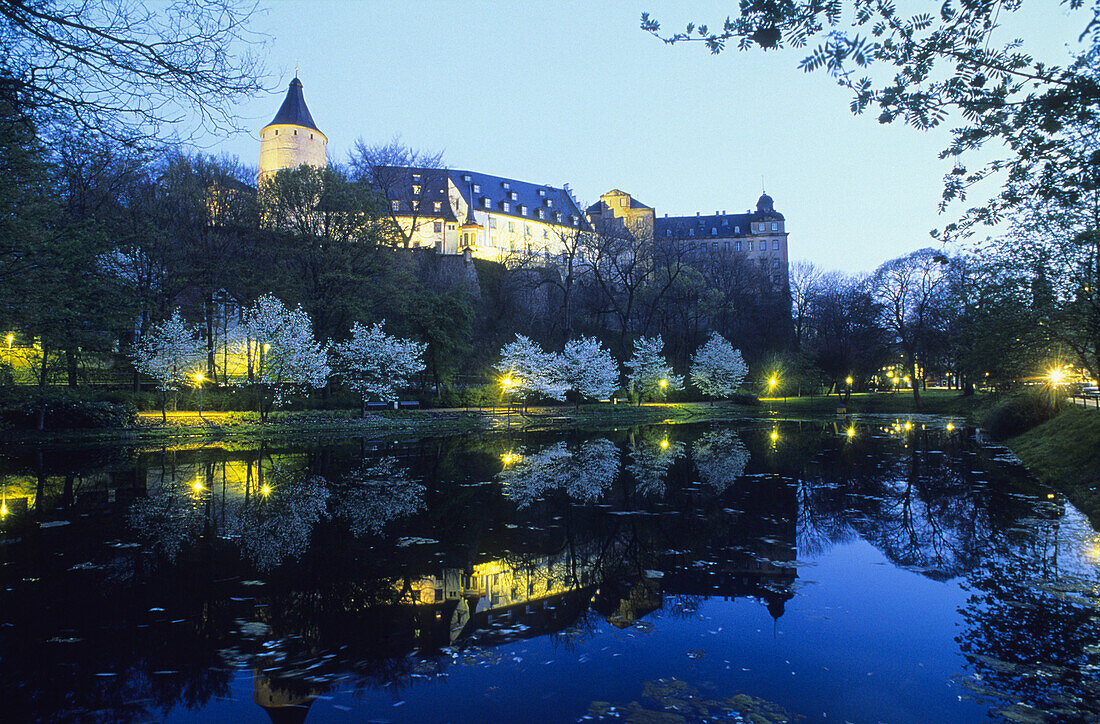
[(504, 219), (491, 217), (292, 138), (757, 237)]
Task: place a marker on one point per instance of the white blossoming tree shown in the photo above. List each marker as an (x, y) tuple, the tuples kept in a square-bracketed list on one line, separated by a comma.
[(171, 353), (283, 356), (717, 369), (374, 364), (588, 369), (528, 370), (650, 374)]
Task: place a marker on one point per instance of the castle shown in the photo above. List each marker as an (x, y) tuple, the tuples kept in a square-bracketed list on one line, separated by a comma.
[(502, 219)]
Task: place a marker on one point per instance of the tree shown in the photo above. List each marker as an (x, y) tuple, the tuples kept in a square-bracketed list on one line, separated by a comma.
[(528, 370), (588, 369), (282, 354), (911, 291), (717, 369), (374, 364), (127, 68), (941, 65), (403, 178), (171, 353), (651, 375)]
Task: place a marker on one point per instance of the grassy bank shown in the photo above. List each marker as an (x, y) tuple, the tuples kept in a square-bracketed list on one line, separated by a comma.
[(1064, 453), (933, 402)]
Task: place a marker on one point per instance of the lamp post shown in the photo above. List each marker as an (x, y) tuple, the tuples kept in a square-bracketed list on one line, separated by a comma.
[(199, 377), (10, 338)]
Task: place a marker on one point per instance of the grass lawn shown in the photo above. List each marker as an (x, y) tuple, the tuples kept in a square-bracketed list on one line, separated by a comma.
[(1065, 454), (936, 401)]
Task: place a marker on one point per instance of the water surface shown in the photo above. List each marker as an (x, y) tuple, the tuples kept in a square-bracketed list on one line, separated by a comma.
[(902, 573)]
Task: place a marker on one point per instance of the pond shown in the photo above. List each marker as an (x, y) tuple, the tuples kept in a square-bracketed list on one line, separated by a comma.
[(885, 570)]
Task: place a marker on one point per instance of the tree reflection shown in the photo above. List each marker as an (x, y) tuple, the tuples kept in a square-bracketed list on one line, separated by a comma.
[(652, 454), (375, 493), (720, 458), (585, 471)]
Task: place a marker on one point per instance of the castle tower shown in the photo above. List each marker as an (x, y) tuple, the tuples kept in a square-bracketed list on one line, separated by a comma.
[(292, 138)]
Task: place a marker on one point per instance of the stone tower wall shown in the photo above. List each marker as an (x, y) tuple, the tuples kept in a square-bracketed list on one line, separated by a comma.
[(287, 146)]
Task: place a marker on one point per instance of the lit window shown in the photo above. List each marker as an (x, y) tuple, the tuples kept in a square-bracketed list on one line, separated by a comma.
[(438, 226), (396, 205), (573, 219), (416, 190), (438, 206)]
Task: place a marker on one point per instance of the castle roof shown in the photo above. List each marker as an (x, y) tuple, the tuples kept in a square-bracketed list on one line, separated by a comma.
[(293, 111), (726, 225)]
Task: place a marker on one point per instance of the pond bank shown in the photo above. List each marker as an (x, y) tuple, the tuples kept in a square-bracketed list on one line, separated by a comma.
[(1064, 453)]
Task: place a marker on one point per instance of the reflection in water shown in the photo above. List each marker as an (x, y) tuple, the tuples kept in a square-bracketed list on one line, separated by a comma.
[(323, 569), (584, 471)]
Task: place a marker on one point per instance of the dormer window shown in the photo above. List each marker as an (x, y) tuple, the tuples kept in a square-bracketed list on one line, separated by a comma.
[(513, 195), (522, 210), (714, 231), (557, 217), (775, 226), (396, 205), (725, 222), (504, 205), (668, 232), (542, 192), (737, 229), (542, 214), (416, 190), (550, 203), (691, 232), (438, 205), (573, 220), (466, 178), (477, 188), (504, 185), (485, 201)]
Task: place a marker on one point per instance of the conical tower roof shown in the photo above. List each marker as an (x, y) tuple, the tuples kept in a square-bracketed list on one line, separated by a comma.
[(294, 112)]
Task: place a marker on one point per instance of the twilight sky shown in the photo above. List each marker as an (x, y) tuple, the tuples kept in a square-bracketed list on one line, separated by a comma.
[(573, 92)]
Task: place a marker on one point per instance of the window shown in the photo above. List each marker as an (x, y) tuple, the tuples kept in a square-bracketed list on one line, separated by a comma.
[(542, 192), (622, 202), (545, 233), (276, 131), (505, 205), (450, 227), (477, 188), (511, 226), (725, 246), (438, 227), (513, 195), (311, 136), (550, 203), (416, 190), (668, 232), (573, 220), (737, 229), (557, 216), (775, 263), (716, 246), (526, 229), (485, 201), (522, 210), (775, 244), (466, 178), (737, 246), (691, 232), (438, 205), (763, 245), (492, 223), (714, 231), (295, 131), (775, 226), (396, 205), (542, 214), (504, 184)]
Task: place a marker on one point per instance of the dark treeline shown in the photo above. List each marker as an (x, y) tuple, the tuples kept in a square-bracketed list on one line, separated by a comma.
[(99, 240)]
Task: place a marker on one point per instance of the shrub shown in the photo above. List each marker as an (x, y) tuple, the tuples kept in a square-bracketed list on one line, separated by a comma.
[(1018, 414), (64, 409)]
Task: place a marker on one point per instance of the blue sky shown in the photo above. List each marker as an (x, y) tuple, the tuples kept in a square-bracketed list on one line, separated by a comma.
[(570, 92)]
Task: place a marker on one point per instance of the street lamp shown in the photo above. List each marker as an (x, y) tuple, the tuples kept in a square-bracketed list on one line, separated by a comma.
[(10, 338), (199, 377)]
